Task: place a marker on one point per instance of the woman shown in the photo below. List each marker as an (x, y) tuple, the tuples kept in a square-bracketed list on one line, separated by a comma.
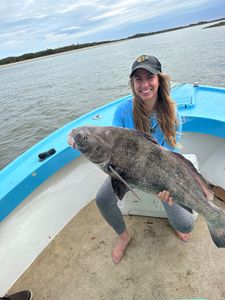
[(150, 110)]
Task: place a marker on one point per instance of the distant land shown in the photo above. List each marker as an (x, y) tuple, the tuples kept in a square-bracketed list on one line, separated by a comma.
[(27, 56), (215, 25)]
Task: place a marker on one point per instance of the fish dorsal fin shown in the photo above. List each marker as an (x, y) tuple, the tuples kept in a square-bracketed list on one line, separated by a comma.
[(146, 135), (204, 185)]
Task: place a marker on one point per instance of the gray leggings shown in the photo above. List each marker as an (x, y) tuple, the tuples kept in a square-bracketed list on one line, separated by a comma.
[(179, 218)]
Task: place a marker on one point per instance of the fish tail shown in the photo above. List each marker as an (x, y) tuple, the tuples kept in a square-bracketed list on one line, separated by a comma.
[(217, 227)]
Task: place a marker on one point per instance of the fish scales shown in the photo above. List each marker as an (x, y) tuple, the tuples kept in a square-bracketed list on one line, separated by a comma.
[(145, 159), (142, 163)]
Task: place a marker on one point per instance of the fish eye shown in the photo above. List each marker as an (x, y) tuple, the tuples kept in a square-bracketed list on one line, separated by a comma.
[(84, 137)]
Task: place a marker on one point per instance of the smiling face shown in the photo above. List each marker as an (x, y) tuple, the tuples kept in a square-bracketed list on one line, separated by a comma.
[(146, 86)]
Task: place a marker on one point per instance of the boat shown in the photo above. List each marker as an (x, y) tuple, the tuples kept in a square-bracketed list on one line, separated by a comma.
[(49, 185)]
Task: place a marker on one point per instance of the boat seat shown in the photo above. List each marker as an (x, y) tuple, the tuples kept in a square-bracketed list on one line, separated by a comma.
[(150, 205)]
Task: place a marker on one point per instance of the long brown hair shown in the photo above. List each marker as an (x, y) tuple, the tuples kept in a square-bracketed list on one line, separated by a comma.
[(165, 111)]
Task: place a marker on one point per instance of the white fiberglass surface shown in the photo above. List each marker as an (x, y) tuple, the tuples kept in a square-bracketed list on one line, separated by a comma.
[(33, 224), (210, 152)]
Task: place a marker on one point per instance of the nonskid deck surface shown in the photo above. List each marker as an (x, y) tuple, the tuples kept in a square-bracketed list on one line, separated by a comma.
[(35, 222), (157, 265), (33, 225)]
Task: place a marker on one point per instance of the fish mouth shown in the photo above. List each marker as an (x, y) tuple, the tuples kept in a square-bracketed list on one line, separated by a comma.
[(82, 148)]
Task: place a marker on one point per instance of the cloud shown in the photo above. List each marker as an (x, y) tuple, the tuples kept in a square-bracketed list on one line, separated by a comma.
[(131, 11), (42, 24), (127, 12)]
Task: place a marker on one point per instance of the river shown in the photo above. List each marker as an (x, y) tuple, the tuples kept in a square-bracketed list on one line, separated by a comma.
[(39, 96)]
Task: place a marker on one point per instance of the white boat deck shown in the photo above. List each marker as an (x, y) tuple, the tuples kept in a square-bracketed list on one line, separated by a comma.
[(77, 263), (34, 223)]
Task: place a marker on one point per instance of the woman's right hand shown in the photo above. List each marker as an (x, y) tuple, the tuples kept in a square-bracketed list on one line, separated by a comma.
[(165, 196)]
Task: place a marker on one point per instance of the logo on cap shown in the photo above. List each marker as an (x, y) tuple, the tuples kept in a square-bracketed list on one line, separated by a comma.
[(142, 58)]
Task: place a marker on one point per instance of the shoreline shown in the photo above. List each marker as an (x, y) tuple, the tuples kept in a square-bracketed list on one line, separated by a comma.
[(56, 54), (220, 21)]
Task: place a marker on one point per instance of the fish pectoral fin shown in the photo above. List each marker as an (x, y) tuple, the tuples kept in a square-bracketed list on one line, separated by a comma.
[(187, 208), (119, 188), (118, 185)]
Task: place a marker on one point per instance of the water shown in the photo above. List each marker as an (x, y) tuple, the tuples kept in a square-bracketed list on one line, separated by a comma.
[(39, 96)]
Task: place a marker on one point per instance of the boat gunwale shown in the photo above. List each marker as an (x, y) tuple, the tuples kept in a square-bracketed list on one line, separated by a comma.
[(22, 176)]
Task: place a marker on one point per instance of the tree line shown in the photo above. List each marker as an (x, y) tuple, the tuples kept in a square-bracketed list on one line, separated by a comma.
[(14, 59)]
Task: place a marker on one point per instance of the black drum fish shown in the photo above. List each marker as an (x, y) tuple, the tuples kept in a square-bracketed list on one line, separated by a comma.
[(134, 159)]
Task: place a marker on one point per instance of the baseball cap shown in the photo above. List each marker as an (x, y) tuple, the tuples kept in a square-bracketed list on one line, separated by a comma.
[(147, 62)]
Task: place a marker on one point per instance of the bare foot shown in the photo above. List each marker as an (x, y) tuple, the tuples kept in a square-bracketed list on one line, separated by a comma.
[(118, 250), (183, 236)]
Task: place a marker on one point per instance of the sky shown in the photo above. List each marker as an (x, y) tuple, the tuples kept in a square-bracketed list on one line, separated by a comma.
[(34, 25)]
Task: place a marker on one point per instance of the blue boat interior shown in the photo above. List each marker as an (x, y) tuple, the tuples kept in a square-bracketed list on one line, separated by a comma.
[(201, 107)]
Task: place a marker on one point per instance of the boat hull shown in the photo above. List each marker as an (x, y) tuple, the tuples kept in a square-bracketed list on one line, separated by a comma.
[(53, 191)]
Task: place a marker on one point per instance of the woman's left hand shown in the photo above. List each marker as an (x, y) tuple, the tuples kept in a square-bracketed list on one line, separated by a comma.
[(165, 196)]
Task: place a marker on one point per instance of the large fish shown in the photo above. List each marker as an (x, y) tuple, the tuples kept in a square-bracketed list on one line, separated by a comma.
[(134, 159)]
